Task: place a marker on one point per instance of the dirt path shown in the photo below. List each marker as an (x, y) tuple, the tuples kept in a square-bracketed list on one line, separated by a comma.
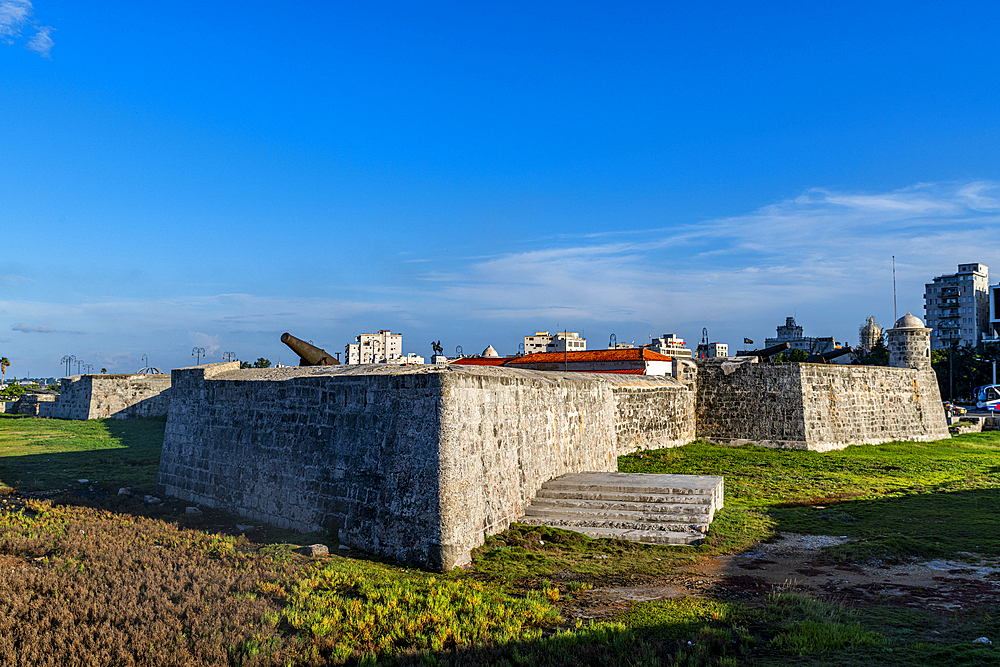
[(795, 563)]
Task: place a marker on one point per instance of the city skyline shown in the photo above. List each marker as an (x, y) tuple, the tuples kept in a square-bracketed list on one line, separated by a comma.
[(472, 174)]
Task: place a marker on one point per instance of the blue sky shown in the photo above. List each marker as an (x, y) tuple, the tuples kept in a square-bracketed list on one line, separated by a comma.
[(196, 174)]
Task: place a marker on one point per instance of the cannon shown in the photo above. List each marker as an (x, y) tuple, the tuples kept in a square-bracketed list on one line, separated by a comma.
[(765, 354), (827, 357), (309, 355)]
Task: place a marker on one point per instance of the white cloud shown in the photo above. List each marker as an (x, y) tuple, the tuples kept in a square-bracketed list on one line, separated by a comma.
[(41, 43), (824, 255), (14, 15), (25, 328), (826, 252), (208, 343)]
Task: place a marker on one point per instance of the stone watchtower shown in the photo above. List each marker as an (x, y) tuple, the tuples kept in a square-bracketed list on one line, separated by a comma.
[(910, 344)]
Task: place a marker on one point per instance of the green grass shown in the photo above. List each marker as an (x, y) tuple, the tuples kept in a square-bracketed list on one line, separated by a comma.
[(899, 500), (378, 609), (48, 454)]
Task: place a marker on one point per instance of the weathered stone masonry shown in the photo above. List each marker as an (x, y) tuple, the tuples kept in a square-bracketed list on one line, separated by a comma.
[(417, 464), (117, 396), (420, 464), (817, 406)]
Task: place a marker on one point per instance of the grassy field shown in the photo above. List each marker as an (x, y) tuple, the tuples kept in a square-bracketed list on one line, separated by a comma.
[(46, 454), (90, 577)]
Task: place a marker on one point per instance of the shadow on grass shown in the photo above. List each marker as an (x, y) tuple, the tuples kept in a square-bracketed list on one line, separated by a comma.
[(108, 453), (934, 524)]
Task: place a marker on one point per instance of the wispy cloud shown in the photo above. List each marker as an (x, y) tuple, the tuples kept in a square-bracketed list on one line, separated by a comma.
[(206, 342), (823, 255), (41, 43), (26, 328), (15, 16), (823, 251)]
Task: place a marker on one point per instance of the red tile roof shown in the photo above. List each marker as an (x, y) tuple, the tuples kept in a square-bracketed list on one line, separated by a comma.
[(627, 354), (479, 361)]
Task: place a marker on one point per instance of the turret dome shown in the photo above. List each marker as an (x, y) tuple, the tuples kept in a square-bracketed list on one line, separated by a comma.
[(909, 321)]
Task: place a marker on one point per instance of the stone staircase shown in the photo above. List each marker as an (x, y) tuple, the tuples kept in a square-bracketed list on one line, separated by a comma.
[(658, 509)]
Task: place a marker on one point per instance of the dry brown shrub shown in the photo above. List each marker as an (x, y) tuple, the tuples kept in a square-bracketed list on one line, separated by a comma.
[(94, 588)]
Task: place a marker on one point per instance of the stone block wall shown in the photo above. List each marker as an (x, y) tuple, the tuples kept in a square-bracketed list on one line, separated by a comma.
[(870, 405), (817, 406), (116, 396), (31, 404), (752, 402), (351, 453), (652, 414), (419, 464), (504, 434)]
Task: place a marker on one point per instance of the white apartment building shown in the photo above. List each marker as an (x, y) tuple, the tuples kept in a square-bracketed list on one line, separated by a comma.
[(670, 345), (992, 333), (957, 306), (411, 358), (543, 341), (373, 348), (717, 350)]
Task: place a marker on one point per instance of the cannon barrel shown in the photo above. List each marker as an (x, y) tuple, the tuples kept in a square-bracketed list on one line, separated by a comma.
[(766, 353), (309, 355), (826, 357)]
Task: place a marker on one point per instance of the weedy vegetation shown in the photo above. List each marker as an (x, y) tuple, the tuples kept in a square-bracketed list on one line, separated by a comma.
[(88, 577)]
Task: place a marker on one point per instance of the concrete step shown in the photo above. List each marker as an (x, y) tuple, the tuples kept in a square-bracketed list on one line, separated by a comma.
[(633, 535), (657, 509), (688, 499), (571, 523), (623, 482), (613, 515), (702, 509)]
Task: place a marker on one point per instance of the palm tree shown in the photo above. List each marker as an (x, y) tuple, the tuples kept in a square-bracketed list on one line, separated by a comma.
[(4, 364)]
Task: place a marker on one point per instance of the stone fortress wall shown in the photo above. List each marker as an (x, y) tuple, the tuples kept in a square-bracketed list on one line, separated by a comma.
[(421, 463), (116, 396), (30, 404), (816, 406), (824, 406), (417, 464)]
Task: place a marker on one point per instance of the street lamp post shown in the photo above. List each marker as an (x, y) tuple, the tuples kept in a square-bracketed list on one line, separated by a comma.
[(79, 363), (68, 359), (229, 356), (951, 371), (197, 351)]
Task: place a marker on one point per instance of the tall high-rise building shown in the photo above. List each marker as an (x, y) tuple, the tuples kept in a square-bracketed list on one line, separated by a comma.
[(992, 333), (957, 306)]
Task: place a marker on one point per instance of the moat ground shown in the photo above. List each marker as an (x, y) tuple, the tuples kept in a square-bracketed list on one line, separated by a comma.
[(878, 554)]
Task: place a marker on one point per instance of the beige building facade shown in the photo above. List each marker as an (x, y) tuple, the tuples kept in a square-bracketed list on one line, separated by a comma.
[(561, 341), (373, 348)]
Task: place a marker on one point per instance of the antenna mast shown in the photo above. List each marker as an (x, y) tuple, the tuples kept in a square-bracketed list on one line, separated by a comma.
[(895, 315)]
